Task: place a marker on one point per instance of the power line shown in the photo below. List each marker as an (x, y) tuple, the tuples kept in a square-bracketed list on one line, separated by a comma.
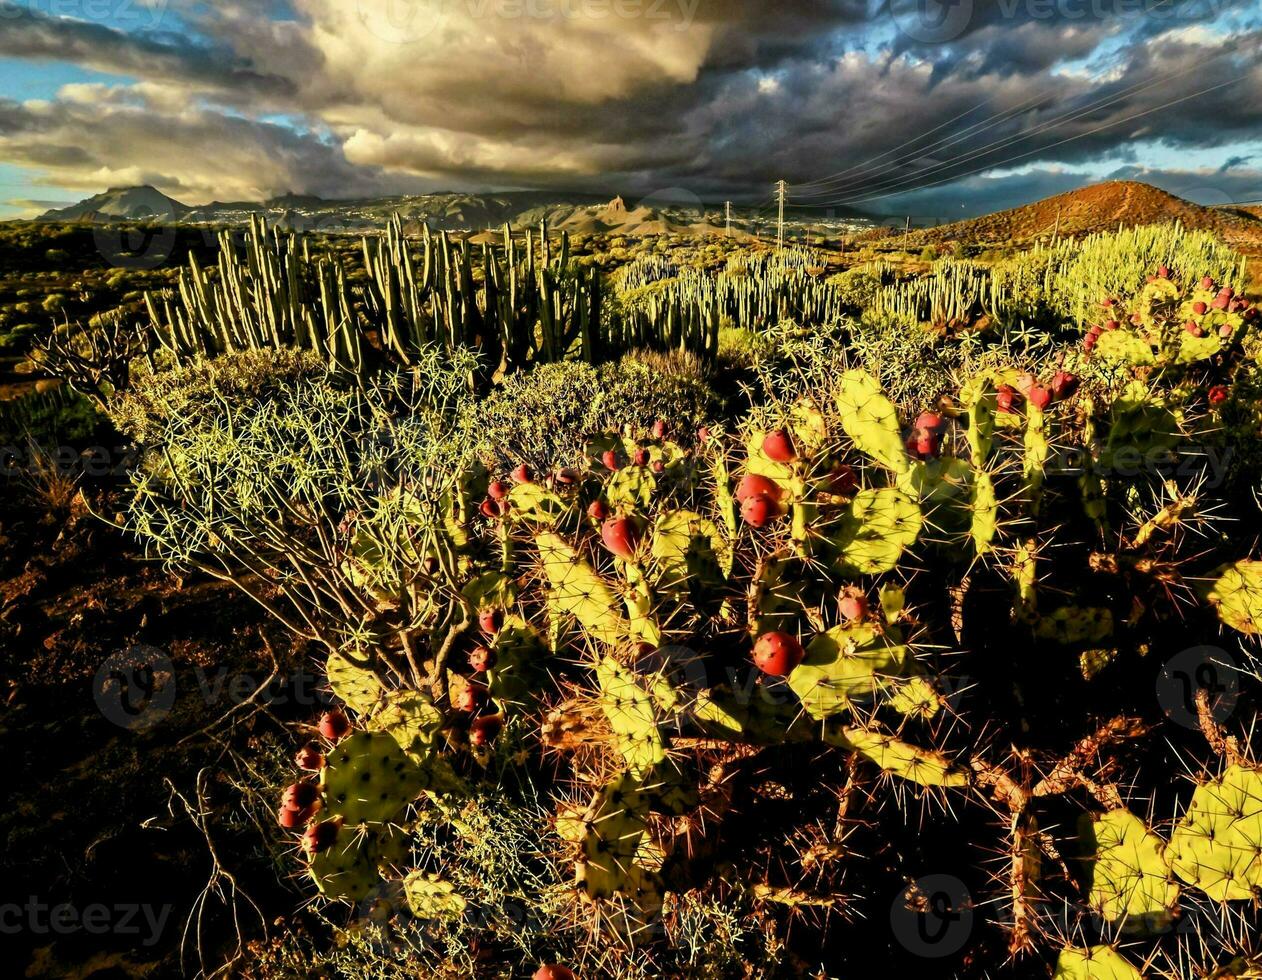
[(1042, 149), (893, 181)]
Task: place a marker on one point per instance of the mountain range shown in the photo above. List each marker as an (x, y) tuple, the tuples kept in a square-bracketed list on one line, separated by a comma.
[(1099, 207)]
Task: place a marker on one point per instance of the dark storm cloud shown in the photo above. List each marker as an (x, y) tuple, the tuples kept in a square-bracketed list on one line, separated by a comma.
[(26, 33), (718, 96)]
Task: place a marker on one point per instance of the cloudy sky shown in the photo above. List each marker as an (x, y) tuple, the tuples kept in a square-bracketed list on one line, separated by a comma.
[(892, 106)]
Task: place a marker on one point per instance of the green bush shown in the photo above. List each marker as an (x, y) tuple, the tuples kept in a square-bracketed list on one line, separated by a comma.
[(544, 417), (235, 380)]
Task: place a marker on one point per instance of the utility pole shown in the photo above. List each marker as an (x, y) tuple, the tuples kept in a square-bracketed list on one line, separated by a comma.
[(907, 225), (728, 205), (782, 189)]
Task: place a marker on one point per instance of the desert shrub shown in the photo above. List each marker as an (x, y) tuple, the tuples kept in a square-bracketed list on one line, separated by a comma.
[(208, 385), (858, 289), (544, 417)]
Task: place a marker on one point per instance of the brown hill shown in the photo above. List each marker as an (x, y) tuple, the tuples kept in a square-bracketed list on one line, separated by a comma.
[(1101, 207)]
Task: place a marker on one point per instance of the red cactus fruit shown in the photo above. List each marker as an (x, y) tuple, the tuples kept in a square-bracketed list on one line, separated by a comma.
[(620, 536), (923, 446), (641, 457), (497, 490), (299, 795), (493, 509), (1222, 302), (610, 458), (658, 466), (320, 836), (1226, 330), (1218, 394), (660, 429), (703, 435), (470, 697), (777, 654), (1006, 398), (1207, 283), (1163, 272), (334, 725), (523, 474), (490, 621), (1193, 329), (1111, 325), (1089, 342), (598, 511), (309, 758), (754, 485), (481, 659), (929, 422), (1064, 384), (1040, 397), (778, 446), (1109, 303), (291, 819), (568, 476), (843, 480), (758, 511), (553, 971), (484, 729), (1199, 308), (853, 607)]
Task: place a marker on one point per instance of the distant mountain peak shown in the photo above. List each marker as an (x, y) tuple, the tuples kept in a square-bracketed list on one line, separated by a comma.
[(117, 203)]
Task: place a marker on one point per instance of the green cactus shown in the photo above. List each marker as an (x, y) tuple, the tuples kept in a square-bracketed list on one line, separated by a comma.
[(613, 828), (369, 779), (411, 719), (871, 421), (1095, 963), (350, 868), (429, 897), (1236, 594), (1130, 884), (917, 765), (1217, 844), (859, 662), (576, 589), (630, 712), (874, 531), (357, 685)]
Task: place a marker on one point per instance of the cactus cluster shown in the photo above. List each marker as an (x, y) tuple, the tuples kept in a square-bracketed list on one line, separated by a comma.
[(772, 665)]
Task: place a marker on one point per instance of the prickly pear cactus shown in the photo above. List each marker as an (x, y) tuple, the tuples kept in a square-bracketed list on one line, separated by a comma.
[(1130, 881), (1217, 844)]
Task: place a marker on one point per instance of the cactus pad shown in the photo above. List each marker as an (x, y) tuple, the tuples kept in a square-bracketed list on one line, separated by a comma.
[(429, 897), (613, 828), (1217, 844), (1237, 595), (368, 779), (1096, 963), (902, 759), (848, 663), (629, 710), (358, 687), (576, 589), (411, 719), (871, 421), (1130, 882), (875, 530)]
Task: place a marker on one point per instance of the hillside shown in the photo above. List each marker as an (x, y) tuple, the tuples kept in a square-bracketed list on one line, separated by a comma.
[(120, 202), (1101, 207)]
